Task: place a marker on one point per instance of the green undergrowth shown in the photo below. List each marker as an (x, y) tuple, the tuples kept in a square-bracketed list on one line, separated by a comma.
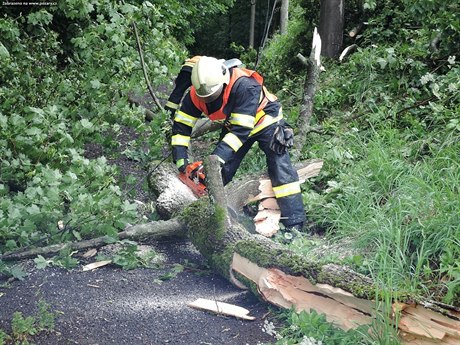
[(389, 134), (24, 328), (313, 329), (66, 72), (389, 139)]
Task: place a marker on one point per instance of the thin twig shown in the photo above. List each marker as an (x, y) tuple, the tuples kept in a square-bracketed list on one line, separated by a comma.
[(141, 55), (416, 105)]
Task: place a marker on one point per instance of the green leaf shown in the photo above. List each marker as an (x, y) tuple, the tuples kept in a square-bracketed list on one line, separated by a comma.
[(18, 272), (76, 234), (37, 111), (41, 262), (33, 131), (4, 53), (95, 84), (127, 206), (86, 123)]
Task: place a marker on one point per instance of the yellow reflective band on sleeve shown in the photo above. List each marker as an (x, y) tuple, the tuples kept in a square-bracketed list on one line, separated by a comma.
[(220, 160), (185, 119), (180, 140), (192, 61), (242, 120), (189, 64), (233, 141), (259, 115), (268, 120), (171, 105), (287, 189)]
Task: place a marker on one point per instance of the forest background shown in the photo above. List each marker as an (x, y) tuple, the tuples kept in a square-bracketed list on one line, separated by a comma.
[(386, 123)]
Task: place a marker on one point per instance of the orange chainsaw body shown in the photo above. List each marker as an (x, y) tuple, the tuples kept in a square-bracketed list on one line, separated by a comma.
[(194, 178)]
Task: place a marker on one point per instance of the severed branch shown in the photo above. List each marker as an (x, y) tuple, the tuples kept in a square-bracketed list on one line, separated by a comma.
[(356, 30), (141, 55), (154, 230), (216, 186), (347, 51), (306, 109)]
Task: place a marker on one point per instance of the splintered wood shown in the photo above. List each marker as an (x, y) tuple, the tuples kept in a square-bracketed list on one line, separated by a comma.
[(268, 216), (421, 326), (96, 264), (339, 306), (417, 325), (221, 308)]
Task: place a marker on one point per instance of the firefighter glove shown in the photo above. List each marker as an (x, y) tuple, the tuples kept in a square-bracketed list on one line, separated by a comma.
[(282, 139)]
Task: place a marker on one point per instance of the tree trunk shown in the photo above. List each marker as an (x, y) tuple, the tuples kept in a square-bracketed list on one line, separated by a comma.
[(252, 23), (289, 280), (284, 16), (331, 23)]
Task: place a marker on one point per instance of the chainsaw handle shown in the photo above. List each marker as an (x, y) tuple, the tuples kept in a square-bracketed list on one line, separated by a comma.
[(194, 173)]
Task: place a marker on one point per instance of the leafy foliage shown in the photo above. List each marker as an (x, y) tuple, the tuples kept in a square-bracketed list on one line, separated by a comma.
[(313, 329), (129, 256), (67, 71)]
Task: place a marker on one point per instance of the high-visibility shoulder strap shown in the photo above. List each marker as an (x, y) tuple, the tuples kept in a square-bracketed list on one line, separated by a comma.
[(237, 73), (192, 61)]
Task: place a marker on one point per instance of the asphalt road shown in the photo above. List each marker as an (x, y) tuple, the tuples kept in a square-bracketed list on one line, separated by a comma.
[(113, 306)]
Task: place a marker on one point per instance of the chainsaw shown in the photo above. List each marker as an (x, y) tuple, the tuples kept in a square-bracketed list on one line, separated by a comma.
[(194, 178)]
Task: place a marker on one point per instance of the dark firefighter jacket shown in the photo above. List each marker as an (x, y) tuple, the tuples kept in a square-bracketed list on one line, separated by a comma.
[(245, 106)]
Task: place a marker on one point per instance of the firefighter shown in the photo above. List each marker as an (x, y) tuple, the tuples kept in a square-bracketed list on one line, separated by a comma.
[(250, 113)]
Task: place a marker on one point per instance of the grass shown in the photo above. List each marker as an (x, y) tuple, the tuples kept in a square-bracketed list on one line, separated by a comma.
[(398, 211), (407, 211)]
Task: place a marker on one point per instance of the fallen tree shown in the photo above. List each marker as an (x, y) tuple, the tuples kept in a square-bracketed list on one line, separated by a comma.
[(270, 270), (288, 280)]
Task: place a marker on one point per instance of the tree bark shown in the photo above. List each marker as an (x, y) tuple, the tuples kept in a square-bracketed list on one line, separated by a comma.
[(331, 22), (252, 23), (284, 16), (306, 109)]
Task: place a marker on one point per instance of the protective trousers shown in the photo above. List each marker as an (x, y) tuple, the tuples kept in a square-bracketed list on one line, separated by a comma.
[(283, 176)]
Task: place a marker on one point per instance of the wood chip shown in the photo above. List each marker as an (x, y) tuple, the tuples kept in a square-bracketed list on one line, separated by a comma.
[(221, 308), (97, 264), (90, 253), (94, 286)]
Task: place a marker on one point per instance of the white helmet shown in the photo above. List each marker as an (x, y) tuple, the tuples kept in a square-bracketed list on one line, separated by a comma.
[(208, 77)]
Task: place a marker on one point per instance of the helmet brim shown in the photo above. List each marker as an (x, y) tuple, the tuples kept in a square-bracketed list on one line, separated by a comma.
[(211, 96)]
